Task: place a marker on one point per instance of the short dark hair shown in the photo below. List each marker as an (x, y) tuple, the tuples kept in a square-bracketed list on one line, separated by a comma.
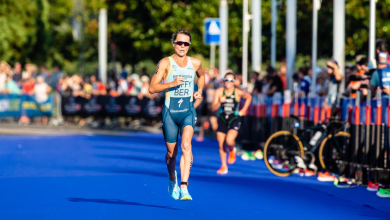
[(227, 74), (304, 70), (181, 31), (256, 73), (363, 61), (381, 45)]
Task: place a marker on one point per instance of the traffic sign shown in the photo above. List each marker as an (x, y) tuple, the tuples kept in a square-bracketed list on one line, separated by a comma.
[(212, 31)]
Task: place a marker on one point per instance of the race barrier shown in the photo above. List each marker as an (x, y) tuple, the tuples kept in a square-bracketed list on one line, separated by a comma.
[(121, 106), (368, 123), (24, 105)]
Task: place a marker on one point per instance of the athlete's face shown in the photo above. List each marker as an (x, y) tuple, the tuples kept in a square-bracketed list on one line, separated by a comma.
[(229, 81), (181, 50)]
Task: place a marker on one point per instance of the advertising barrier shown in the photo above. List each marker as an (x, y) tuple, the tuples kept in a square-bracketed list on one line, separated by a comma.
[(24, 105), (121, 106)]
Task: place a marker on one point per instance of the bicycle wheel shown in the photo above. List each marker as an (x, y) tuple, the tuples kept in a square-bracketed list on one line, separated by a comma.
[(333, 149), (279, 152)]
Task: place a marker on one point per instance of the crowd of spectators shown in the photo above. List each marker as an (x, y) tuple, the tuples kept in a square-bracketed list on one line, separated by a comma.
[(15, 81)]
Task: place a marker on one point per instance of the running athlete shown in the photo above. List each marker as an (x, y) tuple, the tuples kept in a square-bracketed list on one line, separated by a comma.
[(228, 100), (178, 115)]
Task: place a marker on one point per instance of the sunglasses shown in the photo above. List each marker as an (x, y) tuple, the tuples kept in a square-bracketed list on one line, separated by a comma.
[(228, 80), (182, 42)]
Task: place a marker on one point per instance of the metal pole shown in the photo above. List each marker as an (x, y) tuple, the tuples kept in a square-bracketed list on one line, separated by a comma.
[(371, 46), (291, 42), (274, 20), (212, 55), (314, 48), (223, 45), (245, 30), (339, 37), (103, 45), (256, 35)]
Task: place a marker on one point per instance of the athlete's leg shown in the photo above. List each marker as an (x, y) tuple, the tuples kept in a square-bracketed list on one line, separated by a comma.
[(214, 123), (186, 148), (231, 138), (222, 152), (170, 159)]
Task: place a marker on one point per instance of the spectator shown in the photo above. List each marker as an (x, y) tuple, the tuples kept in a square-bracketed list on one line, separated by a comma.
[(5, 69), (97, 87), (17, 77), (45, 73), (77, 86), (380, 78), (42, 90), (283, 72), (87, 87), (123, 74), (335, 78), (55, 76), (10, 86), (133, 85), (274, 82), (145, 89), (321, 85), (143, 72), (28, 86), (238, 82), (354, 85), (66, 86), (257, 84), (122, 86), (304, 82)]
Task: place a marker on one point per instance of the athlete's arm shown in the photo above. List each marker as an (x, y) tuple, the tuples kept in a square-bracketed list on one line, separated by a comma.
[(248, 100), (161, 70), (216, 104), (199, 72)]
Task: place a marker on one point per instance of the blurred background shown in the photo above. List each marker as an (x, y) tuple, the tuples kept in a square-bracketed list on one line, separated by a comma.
[(56, 43)]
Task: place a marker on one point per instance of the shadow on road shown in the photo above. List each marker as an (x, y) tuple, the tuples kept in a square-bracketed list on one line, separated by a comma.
[(117, 202)]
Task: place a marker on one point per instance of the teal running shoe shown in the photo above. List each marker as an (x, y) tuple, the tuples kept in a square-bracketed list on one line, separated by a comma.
[(173, 188), (184, 195)]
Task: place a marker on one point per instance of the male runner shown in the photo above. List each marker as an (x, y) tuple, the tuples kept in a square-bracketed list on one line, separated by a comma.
[(228, 100), (178, 115)]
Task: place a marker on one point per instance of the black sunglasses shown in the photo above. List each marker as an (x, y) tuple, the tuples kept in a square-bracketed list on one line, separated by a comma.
[(182, 42), (228, 80)]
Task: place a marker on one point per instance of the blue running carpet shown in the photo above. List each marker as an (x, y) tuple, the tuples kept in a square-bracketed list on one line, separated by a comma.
[(125, 177)]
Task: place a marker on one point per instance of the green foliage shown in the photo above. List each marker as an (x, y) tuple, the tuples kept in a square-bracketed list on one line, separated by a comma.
[(40, 31)]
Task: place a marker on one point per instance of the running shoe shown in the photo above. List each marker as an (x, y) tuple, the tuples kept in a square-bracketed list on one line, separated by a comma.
[(232, 156), (325, 177), (309, 172), (173, 188), (373, 187), (222, 171), (259, 154), (383, 193), (343, 183), (184, 195), (248, 155)]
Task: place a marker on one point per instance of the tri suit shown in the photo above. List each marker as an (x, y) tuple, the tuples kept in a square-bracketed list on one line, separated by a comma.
[(178, 110), (229, 118)]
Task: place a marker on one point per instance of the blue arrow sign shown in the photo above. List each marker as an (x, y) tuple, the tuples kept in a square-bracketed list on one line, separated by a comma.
[(212, 31)]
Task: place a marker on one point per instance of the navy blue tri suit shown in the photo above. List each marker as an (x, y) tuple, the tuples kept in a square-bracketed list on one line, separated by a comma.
[(178, 110), (229, 118)]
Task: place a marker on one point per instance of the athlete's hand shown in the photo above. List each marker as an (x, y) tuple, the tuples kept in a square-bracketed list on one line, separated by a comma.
[(222, 99), (177, 82), (198, 95), (241, 113)]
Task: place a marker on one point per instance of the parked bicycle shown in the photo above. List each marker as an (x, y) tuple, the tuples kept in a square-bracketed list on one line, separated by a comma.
[(284, 151)]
